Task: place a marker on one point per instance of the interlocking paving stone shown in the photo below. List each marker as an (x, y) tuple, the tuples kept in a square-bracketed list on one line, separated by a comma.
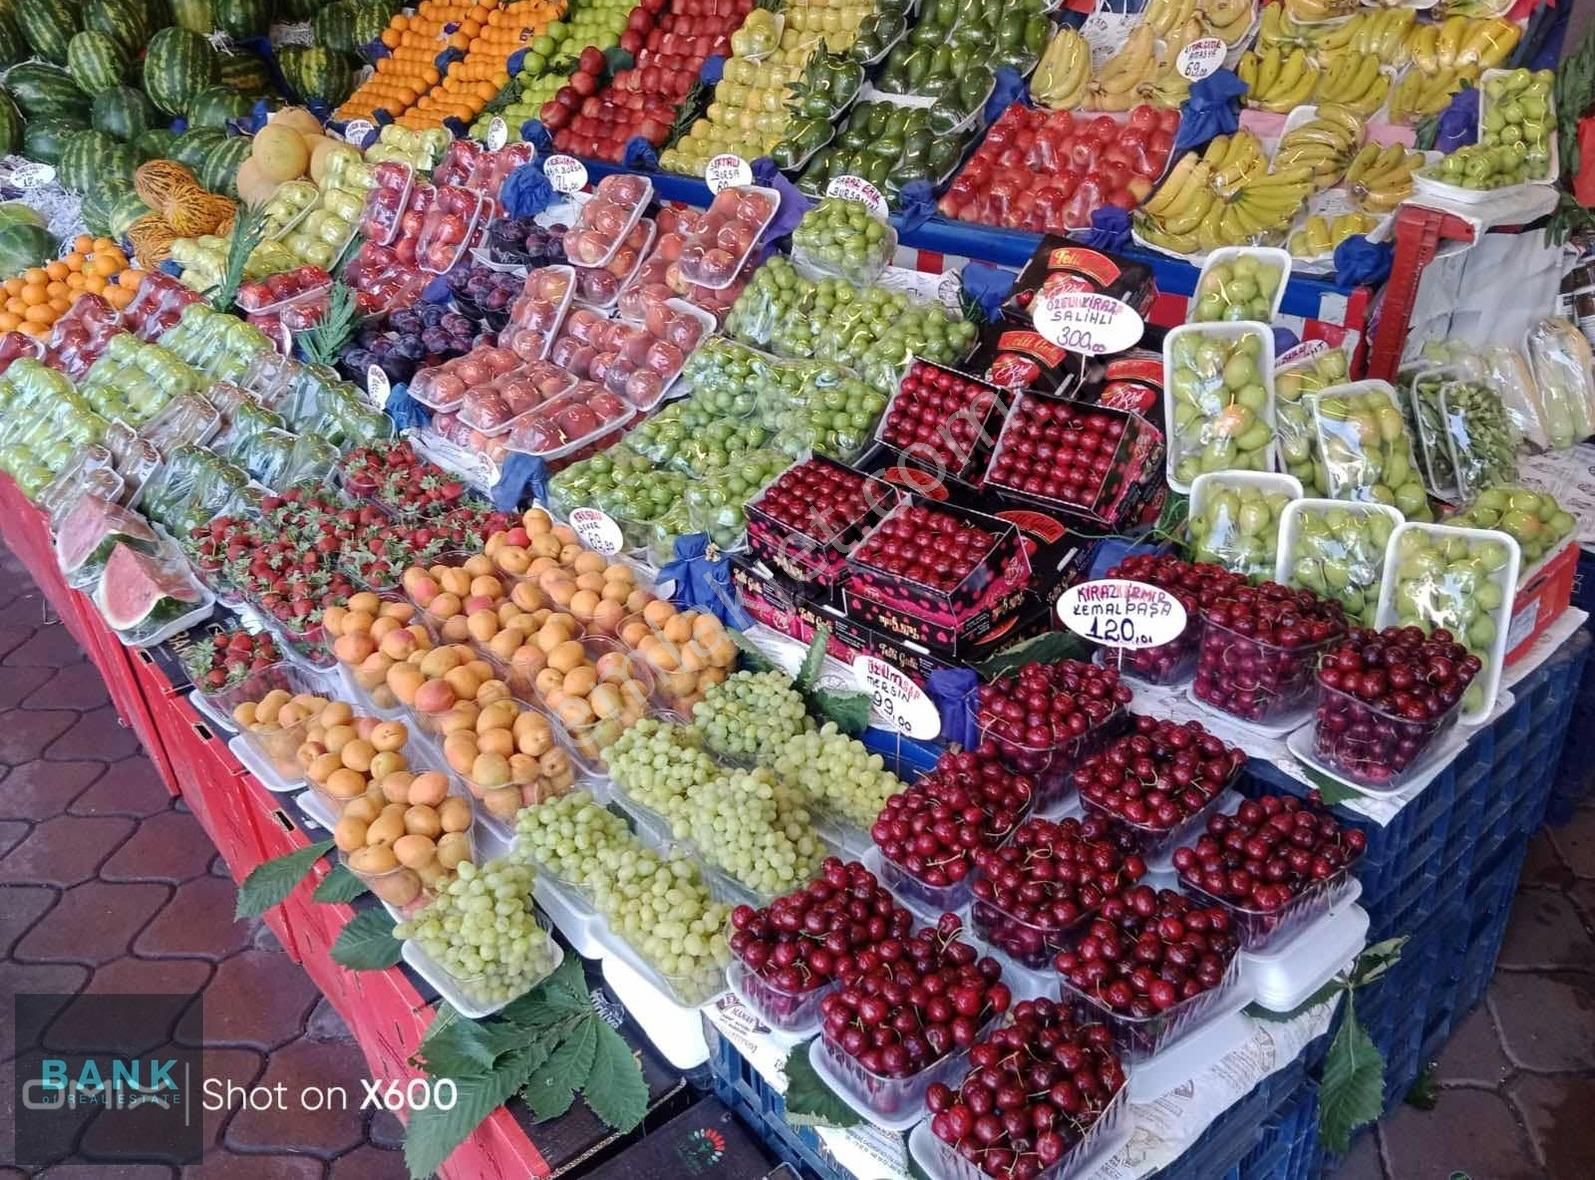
[(135, 976), (1473, 1055), (100, 730), (1362, 1162), (325, 1024), (38, 790), (304, 1066), (1557, 1111), (20, 907), (1545, 931), (170, 846), (46, 647), (369, 1163), (198, 920), (18, 685), (94, 923), (45, 979), (131, 786), (26, 733), (241, 1067), (65, 850), (102, 1171), (1473, 1131), (75, 686), (11, 833), (1575, 842), (221, 1164), (258, 998), (1547, 1021), (1545, 867), (386, 1130)]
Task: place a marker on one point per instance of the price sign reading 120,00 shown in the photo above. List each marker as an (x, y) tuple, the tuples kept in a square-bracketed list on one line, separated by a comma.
[(1116, 612)]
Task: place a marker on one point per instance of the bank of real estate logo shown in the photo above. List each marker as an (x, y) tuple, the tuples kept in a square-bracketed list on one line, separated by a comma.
[(106, 1077)]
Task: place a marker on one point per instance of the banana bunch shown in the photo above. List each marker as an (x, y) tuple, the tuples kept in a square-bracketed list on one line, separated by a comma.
[(1380, 178), (1325, 143), (1316, 11), (1382, 32), (1419, 94), (1225, 197), (1169, 88), (1164, 16), (1319, 235), (1278, 81), (1063, 73), (1117, 85), (1228, 20), (1354, 81), (1278, 31), (1461, 41)]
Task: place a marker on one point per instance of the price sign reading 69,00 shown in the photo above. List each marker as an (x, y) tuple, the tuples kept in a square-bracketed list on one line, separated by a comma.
[(1116, 612)]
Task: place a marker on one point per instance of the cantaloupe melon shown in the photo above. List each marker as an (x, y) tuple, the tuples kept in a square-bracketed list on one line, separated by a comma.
[(324, 155), (280, 153), (298, 118), (254, 186)]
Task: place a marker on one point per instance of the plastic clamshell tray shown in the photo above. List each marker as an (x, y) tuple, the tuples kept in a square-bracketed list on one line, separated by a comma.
[(1102, 1139), (1225, 330)]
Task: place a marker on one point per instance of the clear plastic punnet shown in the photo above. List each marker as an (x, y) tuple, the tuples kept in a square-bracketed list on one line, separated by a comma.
[(1336, 548), (1235, 518), (1365, 448), (1140, 1038), (1562, 362), (1218, 399)]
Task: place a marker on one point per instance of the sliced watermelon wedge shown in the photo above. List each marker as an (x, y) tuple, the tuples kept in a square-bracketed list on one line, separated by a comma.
[(92, 526), (136, 587)]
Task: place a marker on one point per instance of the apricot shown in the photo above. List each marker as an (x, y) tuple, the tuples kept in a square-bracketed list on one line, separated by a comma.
[(429, 788), (455, 814), (344, 783), (435, 696), (396, 787)]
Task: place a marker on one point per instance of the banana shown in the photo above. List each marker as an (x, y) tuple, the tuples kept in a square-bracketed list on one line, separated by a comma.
[(1149, 231), (1246, 70), (1134, 65), (1268, 71), (1421, 47), (1174, 185), (1449, 39), (1063, 72), (1207, 233), (1361, 162), (1185, 219)]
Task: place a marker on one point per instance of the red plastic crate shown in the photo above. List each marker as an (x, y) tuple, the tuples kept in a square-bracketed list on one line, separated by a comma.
[(1540, 601)]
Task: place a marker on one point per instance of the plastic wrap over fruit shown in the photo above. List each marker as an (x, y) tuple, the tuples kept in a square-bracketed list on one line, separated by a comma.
[(1366, 448), (1234, 521), (1337, 550), (1561, 360), (1293, 420), (1219, 388)]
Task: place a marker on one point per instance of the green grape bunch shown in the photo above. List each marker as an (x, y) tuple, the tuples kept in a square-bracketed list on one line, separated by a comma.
[(757, 829), (572, 838), (661, 906), (750, 715), (841, 775)]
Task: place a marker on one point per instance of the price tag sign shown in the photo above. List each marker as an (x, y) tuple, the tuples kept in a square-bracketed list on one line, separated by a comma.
[(856, 188), (1116, 612), (596, 530), (31, 174), (897, 699), (1085, 322), (1105, 32), (1305, 351), (566, 173), (356, 130), (378, 388), (1200, 58), (727, 170), (498, 133)]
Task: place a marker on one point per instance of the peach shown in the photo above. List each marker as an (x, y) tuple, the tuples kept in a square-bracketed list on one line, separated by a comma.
[(464, 681), (513, 560), (357, 622), (455, 814), (459, 751)]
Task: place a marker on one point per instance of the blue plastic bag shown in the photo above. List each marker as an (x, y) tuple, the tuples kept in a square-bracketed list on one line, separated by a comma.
[(406, 412), (1212, 109), (988, 286), (915, 204), (521, 479), (1110, 229), (703, 582), (793, 203), (1458, 124), (950, 689), (640, 155), (1359, 262), (1284, 340), (516, 61), (713, 67), (526, 192), (374, 51), (534, 133), (436, 290)]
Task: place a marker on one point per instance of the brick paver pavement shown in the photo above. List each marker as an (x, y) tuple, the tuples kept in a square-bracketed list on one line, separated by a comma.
[(107, 885)]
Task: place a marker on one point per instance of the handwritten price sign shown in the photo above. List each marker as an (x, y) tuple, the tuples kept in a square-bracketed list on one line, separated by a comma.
[(378, 388), (900, 702), (727, 170), (355, 131), (566, 174), (498, 133), (856, 188), (1116, 612), (1200, 58), (596, 530), (1087, 323)]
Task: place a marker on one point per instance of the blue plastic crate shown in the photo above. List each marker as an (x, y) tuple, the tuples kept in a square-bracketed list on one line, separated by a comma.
[(1288, 1147), (1247, 1129), (739, 1086)]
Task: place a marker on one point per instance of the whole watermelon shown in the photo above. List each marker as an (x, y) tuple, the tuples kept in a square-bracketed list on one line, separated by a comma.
[(13, 45), (291, 10), (124, 211), (314, 72), (48, 26), (123, 112), (245, 72), (45, 139), (219, 172), (84, 157), (178, 66), (10, 124), (23, 245), (242, 18), (97, 62), (369, 21), (191, 147), (96, 209), (214, 105), (155, 144), (124, 21), (333, 26), (44, 89), (194, 15)]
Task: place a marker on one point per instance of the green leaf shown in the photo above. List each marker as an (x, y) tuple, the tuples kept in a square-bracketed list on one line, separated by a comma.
[(753, 657), (366, 942), (340, 885), (1044, 648), (850, 710), (432, 1133), (271, 881), (1327, 992), (322, 344), (809, 1101), (614, 1089), (568, 983), (1331, 790), (248, 229), (1353, 1087), (1376, 960), (813, 659), (455, 1044), (552, 1089), (1425, 1092)]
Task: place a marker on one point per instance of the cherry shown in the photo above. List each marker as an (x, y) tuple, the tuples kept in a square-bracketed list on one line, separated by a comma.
[(1258, 648)]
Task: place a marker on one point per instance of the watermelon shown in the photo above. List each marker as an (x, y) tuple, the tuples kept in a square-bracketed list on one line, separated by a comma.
[(369, 21), (191, 147), (45, 139), (291, 10), (219, 172), (16, 213), (245, 73), (124, 211), (138, 589), (314, 72), (178, 65), (10, 124), (83, 157), (194, 15), (123, 21), (91, 528), (48, 26), (123, 112), (214, 105), (23, 245), (333, 26), (155, 144), (97, 62), (96, 210), (13, 45), (43, 89), (243, 18)]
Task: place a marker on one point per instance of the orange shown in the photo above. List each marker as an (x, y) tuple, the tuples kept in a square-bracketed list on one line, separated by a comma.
[(41, 313), (94, 284), (74, 261), (130, 278), (34, 276), (83, 243), (34, 294), (9, 322), (56, 269), (60, 304), (104, 244), (56, 290), (119, 297), (32, 329), (74, 281)]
